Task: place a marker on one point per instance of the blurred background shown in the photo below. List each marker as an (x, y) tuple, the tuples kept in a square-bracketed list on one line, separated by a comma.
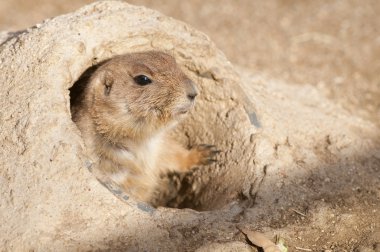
[(333, 45)]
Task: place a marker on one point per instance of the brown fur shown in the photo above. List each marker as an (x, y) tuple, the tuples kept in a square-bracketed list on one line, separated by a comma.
[(125, 124)]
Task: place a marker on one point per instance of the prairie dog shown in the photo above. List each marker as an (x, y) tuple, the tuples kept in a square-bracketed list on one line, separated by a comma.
[(125, 111)]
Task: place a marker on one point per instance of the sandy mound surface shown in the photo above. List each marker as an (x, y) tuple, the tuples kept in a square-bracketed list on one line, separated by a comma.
[(293, 162)]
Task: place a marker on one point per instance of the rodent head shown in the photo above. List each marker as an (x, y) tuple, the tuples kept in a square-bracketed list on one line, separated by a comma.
[(134, 95)]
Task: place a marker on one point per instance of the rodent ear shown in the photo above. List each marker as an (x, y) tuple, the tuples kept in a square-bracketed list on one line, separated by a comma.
[(104, 79), (107, 86)]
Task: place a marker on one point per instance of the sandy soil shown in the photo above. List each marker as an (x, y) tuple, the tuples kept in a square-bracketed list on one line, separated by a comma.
[(333, 45)]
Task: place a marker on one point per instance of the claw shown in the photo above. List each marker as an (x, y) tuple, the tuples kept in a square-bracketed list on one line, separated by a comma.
[(215, 152), (207, 146), (205, 154), (211, 160)]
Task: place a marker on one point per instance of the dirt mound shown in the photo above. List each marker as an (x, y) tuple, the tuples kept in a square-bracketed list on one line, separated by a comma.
[(275, 139)]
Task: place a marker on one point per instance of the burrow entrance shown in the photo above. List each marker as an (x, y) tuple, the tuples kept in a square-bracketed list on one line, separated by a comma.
[(175, 190)]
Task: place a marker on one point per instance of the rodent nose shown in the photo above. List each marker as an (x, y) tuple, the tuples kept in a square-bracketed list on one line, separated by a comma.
[(192, 95), (191, 90)]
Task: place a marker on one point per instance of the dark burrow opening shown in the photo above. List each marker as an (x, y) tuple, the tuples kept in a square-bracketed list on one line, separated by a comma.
[(175, 190)]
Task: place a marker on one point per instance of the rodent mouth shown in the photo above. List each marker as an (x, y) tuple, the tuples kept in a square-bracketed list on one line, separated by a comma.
[(181, 113), (183, 110)]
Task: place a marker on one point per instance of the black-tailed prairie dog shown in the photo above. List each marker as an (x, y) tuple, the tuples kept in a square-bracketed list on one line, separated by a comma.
[(125, 111)]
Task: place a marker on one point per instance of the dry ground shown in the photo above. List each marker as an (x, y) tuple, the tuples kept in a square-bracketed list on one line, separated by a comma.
[(333, 45)]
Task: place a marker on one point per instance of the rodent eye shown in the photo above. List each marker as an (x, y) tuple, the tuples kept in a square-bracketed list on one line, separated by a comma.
[(142, 80)]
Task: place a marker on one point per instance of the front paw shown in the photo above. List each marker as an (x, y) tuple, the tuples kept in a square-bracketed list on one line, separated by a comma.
[(204, 154)]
